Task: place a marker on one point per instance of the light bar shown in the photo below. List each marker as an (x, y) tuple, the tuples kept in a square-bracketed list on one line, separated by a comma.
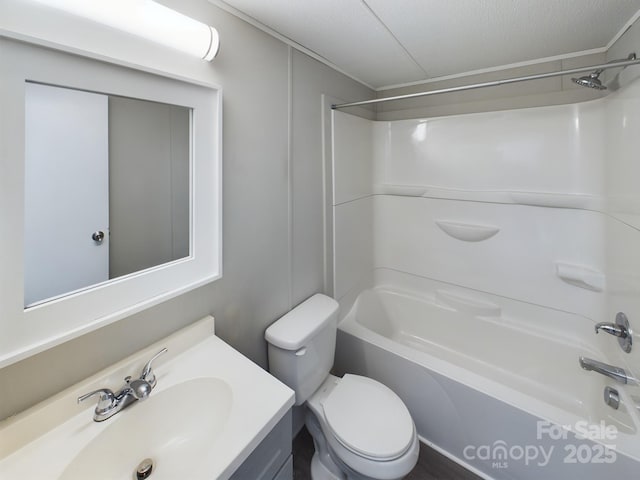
[(149, 20)]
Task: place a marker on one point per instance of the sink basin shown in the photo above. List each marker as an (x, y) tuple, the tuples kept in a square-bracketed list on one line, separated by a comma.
[(174, 427)]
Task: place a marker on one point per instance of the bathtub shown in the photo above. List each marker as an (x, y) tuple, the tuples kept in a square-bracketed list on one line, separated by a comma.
[(503, 396)]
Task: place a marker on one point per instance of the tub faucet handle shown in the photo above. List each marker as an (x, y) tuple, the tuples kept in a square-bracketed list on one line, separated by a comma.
[(612, 329), (620, 329)]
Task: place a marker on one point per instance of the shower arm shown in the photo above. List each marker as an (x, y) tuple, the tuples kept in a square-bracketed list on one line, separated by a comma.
[(600, 69), (495, 83)]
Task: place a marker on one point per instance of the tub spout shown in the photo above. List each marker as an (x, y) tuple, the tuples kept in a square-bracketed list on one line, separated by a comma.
[(617, 373)]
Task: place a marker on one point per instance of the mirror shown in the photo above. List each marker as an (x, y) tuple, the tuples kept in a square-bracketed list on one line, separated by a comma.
[(160, 194), (106, 188)]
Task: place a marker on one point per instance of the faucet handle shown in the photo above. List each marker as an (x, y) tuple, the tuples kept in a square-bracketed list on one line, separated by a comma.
[(620, 329), (106, 402), (612, 329), (147, 372)]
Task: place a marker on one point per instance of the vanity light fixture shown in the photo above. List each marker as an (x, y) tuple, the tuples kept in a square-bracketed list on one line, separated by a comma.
[(149, 20)]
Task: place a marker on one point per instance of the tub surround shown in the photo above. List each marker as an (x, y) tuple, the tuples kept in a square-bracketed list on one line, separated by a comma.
[(476, 263), (535, 205)]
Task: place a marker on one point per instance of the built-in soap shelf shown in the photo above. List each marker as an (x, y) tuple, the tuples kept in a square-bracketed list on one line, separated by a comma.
[(466, 304), (537, 199), (400, 190), (580, 276), (559, 200), (467, 232)]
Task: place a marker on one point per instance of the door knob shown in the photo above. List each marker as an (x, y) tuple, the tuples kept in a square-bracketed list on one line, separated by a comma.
[(98, 236)]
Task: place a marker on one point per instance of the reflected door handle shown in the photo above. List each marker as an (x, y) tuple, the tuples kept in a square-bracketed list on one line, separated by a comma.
[(98, 236)]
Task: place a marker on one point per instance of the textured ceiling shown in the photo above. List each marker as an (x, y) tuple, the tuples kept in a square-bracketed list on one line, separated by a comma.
[(390, 42)]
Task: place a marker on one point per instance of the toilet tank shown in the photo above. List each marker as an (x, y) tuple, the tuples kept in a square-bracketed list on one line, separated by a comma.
[(302, 344)]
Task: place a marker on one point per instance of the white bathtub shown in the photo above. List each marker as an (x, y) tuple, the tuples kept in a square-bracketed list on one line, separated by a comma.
[(490, 390)]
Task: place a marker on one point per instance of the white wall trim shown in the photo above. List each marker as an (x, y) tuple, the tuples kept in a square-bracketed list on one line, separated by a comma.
[(622, 31), (290, 235)]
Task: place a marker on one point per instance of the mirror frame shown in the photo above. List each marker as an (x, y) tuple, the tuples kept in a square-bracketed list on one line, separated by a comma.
[(25, 332)]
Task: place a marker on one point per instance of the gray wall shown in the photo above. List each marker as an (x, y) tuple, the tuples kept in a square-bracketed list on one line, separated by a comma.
[(310, 81), (272, 205)]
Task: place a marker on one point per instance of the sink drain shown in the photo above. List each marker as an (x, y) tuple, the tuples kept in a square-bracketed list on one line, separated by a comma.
[(144, 469)]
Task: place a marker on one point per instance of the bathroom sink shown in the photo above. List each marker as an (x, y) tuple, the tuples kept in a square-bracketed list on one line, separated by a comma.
[(173, 428), (210, 408)]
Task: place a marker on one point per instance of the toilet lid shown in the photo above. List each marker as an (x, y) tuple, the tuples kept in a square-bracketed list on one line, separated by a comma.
[(368, 418)]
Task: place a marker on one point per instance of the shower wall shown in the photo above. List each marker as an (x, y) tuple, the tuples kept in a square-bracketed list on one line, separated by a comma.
[(537, 205)]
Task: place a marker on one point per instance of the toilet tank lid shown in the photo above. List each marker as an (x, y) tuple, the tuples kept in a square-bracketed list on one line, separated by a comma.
[(293, 330)]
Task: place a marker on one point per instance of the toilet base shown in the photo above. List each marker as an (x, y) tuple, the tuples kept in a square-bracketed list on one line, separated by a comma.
[(322, 465), (319, 471)]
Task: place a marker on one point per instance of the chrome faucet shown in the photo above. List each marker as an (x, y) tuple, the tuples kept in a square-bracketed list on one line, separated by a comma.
[(110, 403), (617, 373)]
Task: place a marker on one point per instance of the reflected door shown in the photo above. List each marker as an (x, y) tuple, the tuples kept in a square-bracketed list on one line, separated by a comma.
[(66, 140)]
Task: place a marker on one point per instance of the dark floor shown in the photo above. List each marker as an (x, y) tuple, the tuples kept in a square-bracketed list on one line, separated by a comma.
[(431, 464)]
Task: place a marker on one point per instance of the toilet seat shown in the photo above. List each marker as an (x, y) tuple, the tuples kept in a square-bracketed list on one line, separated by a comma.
[(368, 419)]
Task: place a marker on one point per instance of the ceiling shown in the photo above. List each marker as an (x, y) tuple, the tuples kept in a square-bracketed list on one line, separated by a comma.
[(391, 42)]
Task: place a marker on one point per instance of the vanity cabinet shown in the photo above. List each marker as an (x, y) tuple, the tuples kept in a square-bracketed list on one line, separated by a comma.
[(271, 459)]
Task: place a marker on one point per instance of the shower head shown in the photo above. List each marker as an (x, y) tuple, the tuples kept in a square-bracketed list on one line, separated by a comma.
[(591, 80)]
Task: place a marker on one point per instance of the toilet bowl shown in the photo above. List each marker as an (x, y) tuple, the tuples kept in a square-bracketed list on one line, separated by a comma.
[(367, 430), (361, 429)]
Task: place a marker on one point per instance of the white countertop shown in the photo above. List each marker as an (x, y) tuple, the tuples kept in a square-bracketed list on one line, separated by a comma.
[(40, 442)]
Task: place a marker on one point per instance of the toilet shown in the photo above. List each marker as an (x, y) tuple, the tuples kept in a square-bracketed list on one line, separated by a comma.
[(361, 429)]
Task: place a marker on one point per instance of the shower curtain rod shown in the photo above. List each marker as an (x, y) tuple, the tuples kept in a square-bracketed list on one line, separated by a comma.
[(495, 83)]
